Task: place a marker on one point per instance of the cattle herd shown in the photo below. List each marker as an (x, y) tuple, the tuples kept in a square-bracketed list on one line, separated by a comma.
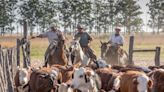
[(96, 77)]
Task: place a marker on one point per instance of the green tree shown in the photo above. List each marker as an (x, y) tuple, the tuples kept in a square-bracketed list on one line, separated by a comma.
[(129, 11), (7, 15), (38, 12), (156, 11)]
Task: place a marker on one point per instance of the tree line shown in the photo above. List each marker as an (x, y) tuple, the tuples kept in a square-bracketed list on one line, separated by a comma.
[(97, 15)]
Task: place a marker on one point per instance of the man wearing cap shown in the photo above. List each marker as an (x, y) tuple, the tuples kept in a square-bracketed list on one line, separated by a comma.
[(53, 34), (116, 40), (84, 41)]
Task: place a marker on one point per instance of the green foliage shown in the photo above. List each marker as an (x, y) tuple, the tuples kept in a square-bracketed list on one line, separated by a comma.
[(38, 12), (7, 15), (129, 12), (156, 11)]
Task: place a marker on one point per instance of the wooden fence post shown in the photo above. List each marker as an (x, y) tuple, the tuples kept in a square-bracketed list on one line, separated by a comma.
[(24, 29), (131, 43), (157, 56), (18, 52)]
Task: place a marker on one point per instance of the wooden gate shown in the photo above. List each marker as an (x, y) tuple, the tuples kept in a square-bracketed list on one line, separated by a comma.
[(8, 66)]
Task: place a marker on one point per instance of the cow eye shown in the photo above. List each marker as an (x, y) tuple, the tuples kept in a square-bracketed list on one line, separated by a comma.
[(81, 76)]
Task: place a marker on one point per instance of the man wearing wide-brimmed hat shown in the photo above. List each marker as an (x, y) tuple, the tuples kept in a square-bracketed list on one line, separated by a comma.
[(116, 39), (53, 34), (84, 40)]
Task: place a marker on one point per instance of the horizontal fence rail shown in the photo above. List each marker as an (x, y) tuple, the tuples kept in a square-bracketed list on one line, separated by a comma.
[(132, 50)]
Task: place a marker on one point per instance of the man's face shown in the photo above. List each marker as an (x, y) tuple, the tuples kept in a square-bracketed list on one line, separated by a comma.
[(80, 30), (117, 31), (53, 28)]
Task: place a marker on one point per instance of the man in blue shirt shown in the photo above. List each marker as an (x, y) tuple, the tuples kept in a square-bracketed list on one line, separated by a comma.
[(84, 41)]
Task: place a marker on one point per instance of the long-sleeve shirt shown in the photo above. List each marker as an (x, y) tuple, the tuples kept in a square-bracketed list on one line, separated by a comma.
[(116, 39), (53, 35)]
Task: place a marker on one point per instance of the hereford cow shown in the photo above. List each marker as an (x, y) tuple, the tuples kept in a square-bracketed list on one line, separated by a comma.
[(44, 80), (66, 72), (110, 80), (135, 81), (21, 79), (86, 80), (158, 80)]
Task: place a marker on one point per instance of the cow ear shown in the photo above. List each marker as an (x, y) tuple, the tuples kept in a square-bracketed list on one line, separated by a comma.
[(150, 83), (135, 81)]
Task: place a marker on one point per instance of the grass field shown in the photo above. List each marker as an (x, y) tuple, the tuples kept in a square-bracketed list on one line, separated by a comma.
[(147, 41)]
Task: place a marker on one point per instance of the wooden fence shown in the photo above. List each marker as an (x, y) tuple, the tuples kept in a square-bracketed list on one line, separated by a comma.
[(8, 66), (132, 50), (10, 59)]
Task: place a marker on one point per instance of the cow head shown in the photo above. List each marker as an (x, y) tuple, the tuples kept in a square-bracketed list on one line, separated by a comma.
[(47, 79), (85, 79), (144, 84), (23, 76)]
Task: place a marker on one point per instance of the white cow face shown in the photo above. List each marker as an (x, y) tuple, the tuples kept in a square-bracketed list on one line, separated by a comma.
[(143, 82), (83, 79), (23, 76)]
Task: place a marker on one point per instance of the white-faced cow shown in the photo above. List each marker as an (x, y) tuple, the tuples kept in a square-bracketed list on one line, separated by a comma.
[(86, 80)]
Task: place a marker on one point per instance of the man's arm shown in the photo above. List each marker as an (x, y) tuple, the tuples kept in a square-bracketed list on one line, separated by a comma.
[(89, 37), (41, 35), (110, 40), (121, 41)]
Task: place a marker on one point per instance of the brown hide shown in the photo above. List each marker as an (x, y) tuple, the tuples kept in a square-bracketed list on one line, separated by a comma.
[(59, 56), (38, 83), (66, 72), (107, 78), (129, 83), (158, 77)]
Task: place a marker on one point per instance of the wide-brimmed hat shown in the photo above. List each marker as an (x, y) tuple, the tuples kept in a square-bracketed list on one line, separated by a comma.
[(54, 25), (117, 29), (80, 26)]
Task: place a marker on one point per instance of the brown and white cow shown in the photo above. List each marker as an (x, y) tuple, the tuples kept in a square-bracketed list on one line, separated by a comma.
[(135, 81), (21, 79), (86, 80), (44, 80), (158, 80), (110, 80)]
